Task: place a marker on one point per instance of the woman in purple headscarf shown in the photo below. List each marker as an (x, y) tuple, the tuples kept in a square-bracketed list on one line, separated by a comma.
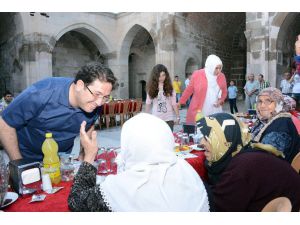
[(274, 125)]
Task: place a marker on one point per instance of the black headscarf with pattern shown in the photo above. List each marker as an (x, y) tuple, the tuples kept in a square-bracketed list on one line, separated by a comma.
[(224, 133)]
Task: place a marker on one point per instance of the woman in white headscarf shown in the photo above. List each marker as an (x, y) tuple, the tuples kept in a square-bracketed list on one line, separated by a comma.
[(152, 178), (209, 89)]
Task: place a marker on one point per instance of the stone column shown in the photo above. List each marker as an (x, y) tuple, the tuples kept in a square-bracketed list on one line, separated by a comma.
[(36, 58), (261, 46), (166, 43), (113, 64)]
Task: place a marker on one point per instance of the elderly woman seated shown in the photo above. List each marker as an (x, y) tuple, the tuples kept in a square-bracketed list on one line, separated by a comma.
[(244, 177), (152, 177), (274, 125)]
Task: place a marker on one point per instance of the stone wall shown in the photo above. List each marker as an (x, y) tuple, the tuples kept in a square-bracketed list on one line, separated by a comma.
[(71, 52), (35, 47), (11, 41), (202, 34)]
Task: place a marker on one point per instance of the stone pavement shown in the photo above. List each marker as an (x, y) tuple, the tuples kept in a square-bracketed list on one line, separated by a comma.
[(111, 137)]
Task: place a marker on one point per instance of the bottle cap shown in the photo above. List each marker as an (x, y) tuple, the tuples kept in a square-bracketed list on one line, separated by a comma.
[(48, 135)]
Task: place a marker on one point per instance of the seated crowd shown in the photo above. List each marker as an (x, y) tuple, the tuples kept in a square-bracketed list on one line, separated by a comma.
[(246, 170)]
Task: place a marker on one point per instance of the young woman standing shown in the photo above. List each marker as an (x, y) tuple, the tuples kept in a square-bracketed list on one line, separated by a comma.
[(161, 95)]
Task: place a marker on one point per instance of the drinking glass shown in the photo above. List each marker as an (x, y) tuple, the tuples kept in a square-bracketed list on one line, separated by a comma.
[(110, 160), (185, 139), (178, 138), (102, 167), (66, 167)]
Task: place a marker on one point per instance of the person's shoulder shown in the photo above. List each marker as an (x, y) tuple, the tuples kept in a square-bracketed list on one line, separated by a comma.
[(253, 159), (52, 82), (198, 74)]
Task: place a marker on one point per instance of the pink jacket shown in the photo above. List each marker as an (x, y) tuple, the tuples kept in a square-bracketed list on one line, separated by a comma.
[(198, 87)]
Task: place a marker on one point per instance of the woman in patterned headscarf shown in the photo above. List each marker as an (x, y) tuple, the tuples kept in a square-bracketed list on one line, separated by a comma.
[(274, 125), (226, 137), (243, 176)]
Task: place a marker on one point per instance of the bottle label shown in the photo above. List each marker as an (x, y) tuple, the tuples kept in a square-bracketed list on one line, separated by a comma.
[(53, 170)]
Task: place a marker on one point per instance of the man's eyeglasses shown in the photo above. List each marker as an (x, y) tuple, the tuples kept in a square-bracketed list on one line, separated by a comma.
[(105, 99), (267, 102)]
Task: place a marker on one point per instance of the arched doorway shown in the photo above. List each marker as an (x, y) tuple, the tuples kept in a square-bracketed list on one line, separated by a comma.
[(144, 91), (137, 57), (72, 51), (140, 61), (190, 66), (289, 29)]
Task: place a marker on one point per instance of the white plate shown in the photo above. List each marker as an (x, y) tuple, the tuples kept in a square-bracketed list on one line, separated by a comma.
[(195, 147), (12, 196)]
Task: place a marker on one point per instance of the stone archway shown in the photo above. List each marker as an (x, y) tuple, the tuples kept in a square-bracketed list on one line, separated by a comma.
[(138, 47), (11, 67), (190, 66), (289, 25), (74, 49)]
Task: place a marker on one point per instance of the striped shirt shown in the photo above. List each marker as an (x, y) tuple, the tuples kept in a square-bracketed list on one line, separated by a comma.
[(263, 85)]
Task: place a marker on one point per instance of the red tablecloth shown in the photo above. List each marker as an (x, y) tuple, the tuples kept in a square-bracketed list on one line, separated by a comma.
[(57, 202), (198, 164)]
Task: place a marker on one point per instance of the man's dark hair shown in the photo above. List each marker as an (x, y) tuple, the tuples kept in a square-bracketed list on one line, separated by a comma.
[(95, 70), (7, 93), (262, 76)]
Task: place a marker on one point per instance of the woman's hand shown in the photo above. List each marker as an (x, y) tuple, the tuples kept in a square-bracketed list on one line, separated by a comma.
[(89, 144), (218, 103)]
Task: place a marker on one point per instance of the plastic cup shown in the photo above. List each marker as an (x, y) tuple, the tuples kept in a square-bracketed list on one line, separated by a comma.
[(47, 186)]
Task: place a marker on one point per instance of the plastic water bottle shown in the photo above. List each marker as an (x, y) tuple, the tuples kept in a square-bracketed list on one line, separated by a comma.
[(51, 159)]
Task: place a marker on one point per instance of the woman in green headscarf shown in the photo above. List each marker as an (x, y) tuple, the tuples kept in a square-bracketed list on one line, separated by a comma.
[(243, 176)]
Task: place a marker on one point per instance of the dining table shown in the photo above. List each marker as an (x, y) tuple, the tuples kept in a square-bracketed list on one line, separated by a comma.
[(58, 202)]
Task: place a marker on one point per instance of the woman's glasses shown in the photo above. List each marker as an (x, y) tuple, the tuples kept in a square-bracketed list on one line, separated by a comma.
[(266, 102)]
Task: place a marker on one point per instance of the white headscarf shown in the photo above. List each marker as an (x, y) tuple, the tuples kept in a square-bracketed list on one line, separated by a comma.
[(213, 89), (211, 63), (153, 179)]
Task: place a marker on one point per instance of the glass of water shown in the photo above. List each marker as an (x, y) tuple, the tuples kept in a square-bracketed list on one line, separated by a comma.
[(66, 167)]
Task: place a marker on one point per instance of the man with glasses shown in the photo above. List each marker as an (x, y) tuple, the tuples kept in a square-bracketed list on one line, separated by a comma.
[(57, 105)]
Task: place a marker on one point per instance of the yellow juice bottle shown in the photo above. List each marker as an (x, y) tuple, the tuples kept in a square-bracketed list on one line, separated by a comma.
[(51, 159), (199, 115)]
